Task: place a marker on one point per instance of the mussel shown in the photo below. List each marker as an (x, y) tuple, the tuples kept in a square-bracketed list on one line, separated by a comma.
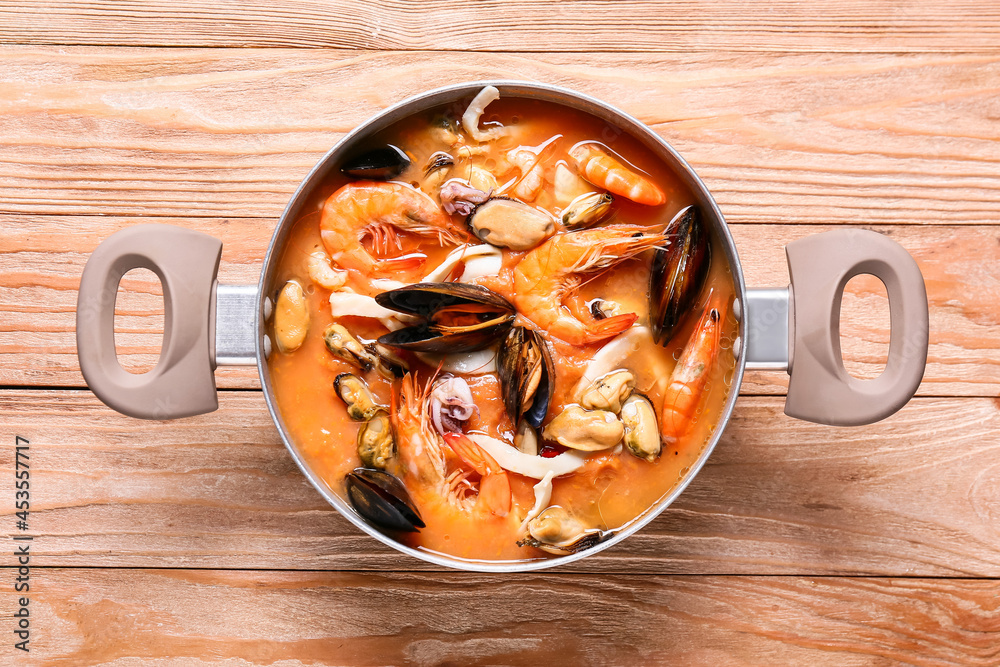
[(382, 499), (585, 430), (608, 392), (291, 317), (602, 309), (439, 160), (456, 317), (342, 344), (558, 532), (509, 223), (380, 163), (527, 376), (678, 273), (376, 444), (588, 210), (642, 437), (354, 392)]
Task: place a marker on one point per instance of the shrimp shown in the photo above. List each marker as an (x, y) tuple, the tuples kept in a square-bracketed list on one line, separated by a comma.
[(687, 382), (420, 448), (324, 275), (423, 456), (379, 210), (606, 172), (494, 487), (552, 271)]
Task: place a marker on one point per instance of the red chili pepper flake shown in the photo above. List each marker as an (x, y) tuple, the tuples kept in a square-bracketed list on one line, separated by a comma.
[(551, 451)]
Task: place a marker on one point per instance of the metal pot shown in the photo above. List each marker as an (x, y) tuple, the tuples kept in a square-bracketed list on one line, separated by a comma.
[(794, 329)]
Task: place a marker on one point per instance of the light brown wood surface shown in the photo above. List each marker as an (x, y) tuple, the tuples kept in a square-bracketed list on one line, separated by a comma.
[(365, 618), (918, 494), (515, 25), (778, 138), (200, 542)]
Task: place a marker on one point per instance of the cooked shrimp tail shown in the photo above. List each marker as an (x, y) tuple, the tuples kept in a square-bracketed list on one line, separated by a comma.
[(603, 170), (690, 376), (611, 326), (494, 487)]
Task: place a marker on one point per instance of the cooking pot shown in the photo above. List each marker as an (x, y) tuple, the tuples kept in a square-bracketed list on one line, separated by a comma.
[(794, 329)]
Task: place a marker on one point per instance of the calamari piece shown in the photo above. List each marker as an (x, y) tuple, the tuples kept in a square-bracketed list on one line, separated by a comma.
[(349, 304), (386, 284), (567, 186), (478, 362), (478, 267), (464, 253), (530, 160), (531, 181), (470, 119), (611, 357), (535, 467), (543, 495)]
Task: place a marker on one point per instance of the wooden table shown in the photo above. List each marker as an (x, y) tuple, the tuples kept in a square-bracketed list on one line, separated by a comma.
[(198, 541)]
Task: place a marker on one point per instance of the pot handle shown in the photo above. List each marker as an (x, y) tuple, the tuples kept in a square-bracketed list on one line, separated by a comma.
[(182, 383), (820, 389)]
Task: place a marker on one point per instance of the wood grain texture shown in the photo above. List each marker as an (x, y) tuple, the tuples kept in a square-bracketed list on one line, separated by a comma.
[(916, 495), (515, 25), (146, 617), (42, 257), (779, 138)]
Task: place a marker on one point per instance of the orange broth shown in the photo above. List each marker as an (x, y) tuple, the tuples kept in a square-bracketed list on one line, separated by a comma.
[(615, 487)]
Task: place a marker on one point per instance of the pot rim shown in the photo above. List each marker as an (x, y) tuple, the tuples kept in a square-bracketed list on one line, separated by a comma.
[(616, 118)]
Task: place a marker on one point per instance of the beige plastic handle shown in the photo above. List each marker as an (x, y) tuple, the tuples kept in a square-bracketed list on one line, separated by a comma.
[(820, 389), (183, 382)]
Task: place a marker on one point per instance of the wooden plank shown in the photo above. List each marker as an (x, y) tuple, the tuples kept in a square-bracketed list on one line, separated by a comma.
[(779, 138), (916, 495), (519, 25), (42, 257), (303, 618)]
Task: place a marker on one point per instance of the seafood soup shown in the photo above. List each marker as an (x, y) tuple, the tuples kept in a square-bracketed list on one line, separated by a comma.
[(502, 332)]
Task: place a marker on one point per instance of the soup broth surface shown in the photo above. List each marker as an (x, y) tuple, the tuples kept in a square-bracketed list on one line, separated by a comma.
[(613, 487)]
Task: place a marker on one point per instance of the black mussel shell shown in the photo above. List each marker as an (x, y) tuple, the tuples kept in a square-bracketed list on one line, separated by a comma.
[(678, 273), (382, 499), (516, 359), (422, 338), (381, 163), (457, 317), (425, 299)]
